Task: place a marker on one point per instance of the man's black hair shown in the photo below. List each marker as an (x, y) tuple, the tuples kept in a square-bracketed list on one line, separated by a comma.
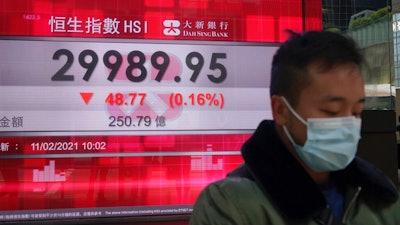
[(289, 72)]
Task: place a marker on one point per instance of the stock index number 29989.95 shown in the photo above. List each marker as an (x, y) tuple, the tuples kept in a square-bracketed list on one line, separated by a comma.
[(136, 70)]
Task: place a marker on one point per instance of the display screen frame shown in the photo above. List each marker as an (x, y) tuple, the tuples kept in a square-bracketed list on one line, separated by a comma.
[(48, 168)]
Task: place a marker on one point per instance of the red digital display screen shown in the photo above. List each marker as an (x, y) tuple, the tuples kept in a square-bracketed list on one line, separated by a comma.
[(90, 171), (129, 108)]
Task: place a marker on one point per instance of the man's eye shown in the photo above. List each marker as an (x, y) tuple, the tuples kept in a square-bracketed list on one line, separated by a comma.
[(331, 113)]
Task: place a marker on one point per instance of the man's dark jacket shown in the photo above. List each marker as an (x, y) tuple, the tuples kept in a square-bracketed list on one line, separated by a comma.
[(273, 188)]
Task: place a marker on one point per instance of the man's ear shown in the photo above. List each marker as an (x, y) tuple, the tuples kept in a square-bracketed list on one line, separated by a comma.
[(279, 110)]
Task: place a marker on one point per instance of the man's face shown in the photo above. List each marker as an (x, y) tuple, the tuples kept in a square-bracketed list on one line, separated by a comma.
[(338, 92)]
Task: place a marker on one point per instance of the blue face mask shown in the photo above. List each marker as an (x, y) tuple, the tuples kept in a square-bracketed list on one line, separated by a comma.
[(331, 142)]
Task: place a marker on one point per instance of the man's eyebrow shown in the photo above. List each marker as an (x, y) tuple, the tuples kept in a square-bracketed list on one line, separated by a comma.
[(331, 98), (362, 100), (339, 99)]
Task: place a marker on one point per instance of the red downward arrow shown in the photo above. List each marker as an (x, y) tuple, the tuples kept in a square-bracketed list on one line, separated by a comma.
[(86, 96)]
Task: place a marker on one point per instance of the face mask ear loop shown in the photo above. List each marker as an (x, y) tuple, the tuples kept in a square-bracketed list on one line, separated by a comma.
[(293, 112), (288, 135)]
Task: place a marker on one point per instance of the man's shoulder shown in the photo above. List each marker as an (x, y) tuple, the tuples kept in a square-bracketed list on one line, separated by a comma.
[(240, 193), (235, 189), (236, 183), (234, 200)]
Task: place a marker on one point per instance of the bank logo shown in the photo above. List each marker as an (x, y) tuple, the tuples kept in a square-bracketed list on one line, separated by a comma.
[(171, 27)]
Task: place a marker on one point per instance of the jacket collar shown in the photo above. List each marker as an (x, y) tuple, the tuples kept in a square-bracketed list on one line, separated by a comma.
[(290, 187)]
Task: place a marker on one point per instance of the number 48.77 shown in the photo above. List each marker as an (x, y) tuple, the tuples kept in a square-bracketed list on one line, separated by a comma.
[(125, 99)]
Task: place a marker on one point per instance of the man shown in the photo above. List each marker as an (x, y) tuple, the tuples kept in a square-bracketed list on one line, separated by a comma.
[(301, 167)]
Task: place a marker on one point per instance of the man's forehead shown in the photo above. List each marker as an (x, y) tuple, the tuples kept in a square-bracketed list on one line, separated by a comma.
[(320, 67)]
